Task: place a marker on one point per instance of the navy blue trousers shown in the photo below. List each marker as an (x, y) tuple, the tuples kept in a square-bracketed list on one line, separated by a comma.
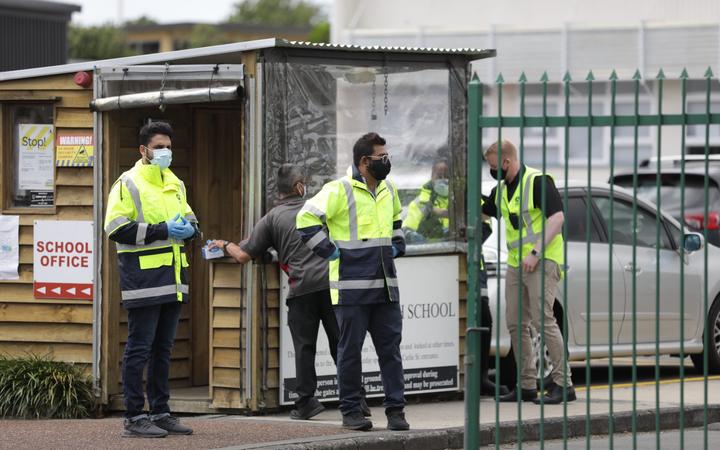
[(151, 333), (384, 323)]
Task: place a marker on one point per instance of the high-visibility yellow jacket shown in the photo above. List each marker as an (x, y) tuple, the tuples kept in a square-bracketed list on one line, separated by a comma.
[(152, 265), (365, 227), (421, 216), (530, 222)]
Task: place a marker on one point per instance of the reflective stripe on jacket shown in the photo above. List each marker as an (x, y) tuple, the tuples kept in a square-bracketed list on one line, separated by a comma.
[(364, 227), (152, 265), (530, 222)]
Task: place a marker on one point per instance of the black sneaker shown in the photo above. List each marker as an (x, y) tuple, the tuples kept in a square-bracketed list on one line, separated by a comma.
[(526, 395), (554, 396), (312, 408), (396, 421), (365, 408), (171, 424), (142, 427), (356, 421)]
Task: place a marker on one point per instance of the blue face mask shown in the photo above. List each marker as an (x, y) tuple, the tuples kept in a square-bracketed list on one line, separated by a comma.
[(442, 187), (162, 157)]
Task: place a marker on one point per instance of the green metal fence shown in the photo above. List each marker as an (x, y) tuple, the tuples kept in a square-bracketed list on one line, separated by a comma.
[(667, 234)]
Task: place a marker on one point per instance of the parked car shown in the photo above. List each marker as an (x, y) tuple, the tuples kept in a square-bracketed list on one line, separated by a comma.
[(670, 192), (622, 287)]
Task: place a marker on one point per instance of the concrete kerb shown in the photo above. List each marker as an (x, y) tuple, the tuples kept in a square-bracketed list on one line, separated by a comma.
[(452, 438)]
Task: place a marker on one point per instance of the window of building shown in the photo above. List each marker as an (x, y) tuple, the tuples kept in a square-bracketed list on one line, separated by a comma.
[(29, 155), (534, 135), (625, 136), (145, 47)]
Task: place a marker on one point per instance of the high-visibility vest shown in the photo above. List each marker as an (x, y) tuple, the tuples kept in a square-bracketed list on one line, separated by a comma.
[(420, 216), (155, 272), (363, 226), (530, 222)]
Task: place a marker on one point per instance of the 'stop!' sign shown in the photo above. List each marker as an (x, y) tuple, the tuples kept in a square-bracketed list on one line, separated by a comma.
[(63, 259)]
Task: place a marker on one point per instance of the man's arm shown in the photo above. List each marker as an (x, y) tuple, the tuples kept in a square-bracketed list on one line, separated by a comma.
[(257, 244), (489, 208), (310, 219), (121, 225), (554, 213), (398, 237)]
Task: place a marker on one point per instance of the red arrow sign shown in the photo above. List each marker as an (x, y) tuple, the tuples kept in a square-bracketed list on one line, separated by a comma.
[(69, 291)]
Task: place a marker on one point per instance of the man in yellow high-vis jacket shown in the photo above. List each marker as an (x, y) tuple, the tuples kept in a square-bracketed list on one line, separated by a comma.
[(150, 220), (427, 215), (361, 212), (534, 239)]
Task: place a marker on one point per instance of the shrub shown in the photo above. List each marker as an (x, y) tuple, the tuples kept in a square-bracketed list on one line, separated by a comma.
[(37, 387)]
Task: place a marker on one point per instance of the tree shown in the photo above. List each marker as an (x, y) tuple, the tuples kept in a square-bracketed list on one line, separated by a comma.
[(142, 20), (101, 42), (294, 13), (320, 33), (204, 35)]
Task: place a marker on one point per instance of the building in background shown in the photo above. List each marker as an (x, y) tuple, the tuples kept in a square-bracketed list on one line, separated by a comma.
[(33, 33), (155, 38), (565, 36)]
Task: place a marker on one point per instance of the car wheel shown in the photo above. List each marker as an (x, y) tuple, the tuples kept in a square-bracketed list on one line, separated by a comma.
[(546, 371), (712, 341)]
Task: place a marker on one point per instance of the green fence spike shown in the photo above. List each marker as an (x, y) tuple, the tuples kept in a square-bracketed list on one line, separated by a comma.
[(660, 75), (523, 78), (613, 76), (708, 73), (684, 74), (637, 76), (500, 79), (590, 76), (475, 78), (567, 78), (544, 78)]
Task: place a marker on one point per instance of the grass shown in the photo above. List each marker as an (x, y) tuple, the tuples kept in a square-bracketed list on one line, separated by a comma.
[(36, 387)]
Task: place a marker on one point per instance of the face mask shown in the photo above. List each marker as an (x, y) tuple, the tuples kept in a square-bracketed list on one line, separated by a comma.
[(379, 169), (162, 157), (494, 173), (442, 187)]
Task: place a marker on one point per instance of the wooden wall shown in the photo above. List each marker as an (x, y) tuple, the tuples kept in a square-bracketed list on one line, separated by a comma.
[(59, 328)]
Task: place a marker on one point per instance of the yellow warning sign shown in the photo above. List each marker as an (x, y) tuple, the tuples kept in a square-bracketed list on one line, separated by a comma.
[(75, 149), (35, 157)]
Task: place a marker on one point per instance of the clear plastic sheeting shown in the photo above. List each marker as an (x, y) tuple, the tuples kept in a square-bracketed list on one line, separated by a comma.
[(316, 110)]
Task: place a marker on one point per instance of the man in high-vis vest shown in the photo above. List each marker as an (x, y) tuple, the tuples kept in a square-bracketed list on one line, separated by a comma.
[(361, 212), (534, 239), (150, 220), (427, 216)]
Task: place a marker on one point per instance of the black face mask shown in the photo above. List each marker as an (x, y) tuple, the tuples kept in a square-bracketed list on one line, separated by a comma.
[(494, 173), (379, 169)]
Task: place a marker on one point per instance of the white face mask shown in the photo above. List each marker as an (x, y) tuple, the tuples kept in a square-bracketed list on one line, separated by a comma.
[(442, 187)]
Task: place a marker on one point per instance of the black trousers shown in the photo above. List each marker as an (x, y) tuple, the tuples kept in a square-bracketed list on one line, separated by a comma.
[(384, 322), (305, 313), (485, 337), (151, 334)]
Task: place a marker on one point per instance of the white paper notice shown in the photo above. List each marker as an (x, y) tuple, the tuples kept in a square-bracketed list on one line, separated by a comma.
[(9, 247), (36, 157)]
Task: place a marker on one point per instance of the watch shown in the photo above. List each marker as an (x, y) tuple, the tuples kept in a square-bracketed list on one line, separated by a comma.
[(535, 253), (225, 244)]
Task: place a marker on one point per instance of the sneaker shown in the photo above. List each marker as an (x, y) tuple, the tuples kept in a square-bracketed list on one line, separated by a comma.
[(312, 408), (142, 427), (396, 421), (526, 395), (365, 408), (554, 396), (356, 421), (171, 424)]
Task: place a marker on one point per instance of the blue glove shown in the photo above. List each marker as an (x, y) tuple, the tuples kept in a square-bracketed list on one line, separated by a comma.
[(175, 226), (395, 251), (187, 231), (335, 255)]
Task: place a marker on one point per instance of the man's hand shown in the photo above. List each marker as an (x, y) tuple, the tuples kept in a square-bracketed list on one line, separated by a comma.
[(530, 263), (217, 243), (440, 212)]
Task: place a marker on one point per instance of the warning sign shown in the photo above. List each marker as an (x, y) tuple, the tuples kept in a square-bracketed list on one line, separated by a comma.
[(63, 259), (75, 148), (36, 155)]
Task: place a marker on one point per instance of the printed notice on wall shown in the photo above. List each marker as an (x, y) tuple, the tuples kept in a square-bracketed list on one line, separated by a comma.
[(36, 157), (75, 148), (429, 300), (9, 247)]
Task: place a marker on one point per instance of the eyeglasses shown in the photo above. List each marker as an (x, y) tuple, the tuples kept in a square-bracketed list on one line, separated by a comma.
[(384, 158)]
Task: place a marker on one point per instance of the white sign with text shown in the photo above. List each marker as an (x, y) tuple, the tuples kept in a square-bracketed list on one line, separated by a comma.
[(429, 298)]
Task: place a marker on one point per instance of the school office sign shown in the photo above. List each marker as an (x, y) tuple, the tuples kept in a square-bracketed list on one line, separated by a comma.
[(430, 338), (63, 259)]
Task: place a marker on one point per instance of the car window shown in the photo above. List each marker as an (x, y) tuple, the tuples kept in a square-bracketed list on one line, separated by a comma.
[(645, 229), (576, 217)]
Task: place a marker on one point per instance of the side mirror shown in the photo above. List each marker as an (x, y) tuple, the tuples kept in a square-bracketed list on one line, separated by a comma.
[(692, 242)]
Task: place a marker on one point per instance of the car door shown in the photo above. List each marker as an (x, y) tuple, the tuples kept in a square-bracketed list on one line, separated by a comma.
[(641, 271), (589, 305)]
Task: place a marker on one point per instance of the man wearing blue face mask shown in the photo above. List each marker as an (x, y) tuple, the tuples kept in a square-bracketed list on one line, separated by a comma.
[(427, 216), (150, 221)]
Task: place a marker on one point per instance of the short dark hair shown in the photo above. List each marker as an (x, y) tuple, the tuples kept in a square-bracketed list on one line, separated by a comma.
[(288, 176), (151, 129), (364, 146)]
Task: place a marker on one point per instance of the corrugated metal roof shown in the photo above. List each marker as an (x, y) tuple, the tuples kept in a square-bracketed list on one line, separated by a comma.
[(238, 47)]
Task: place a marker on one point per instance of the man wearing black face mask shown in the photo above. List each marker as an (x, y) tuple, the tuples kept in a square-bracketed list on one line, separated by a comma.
[(362, 215)]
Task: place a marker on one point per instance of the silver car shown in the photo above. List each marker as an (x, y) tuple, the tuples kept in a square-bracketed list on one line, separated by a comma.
[(597, 279)]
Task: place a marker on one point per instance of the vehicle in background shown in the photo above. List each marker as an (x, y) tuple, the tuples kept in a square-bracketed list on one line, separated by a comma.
[(670, 190)]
